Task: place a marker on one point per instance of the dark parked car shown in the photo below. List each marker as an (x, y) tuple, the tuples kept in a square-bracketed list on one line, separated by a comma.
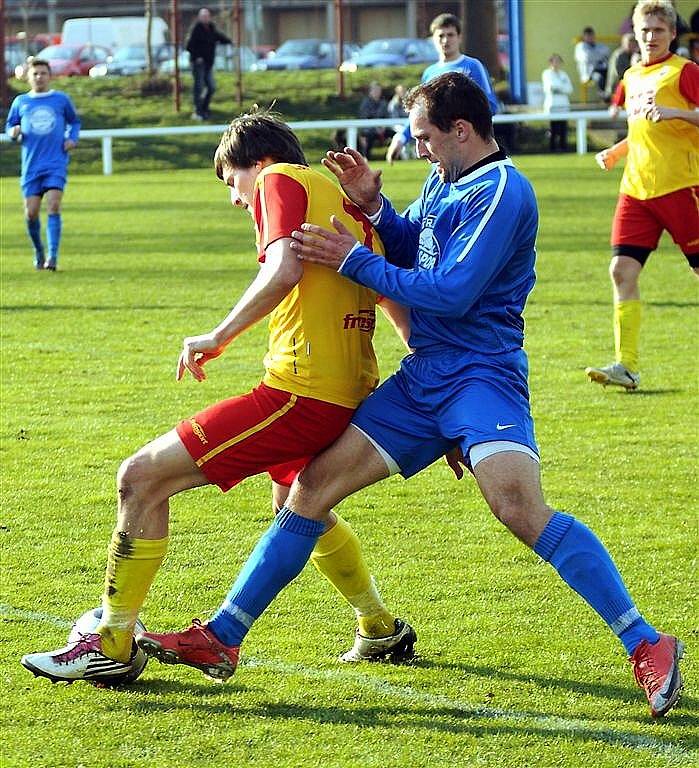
[(130, 60), (69, 60), (392, 52), (306, 54)]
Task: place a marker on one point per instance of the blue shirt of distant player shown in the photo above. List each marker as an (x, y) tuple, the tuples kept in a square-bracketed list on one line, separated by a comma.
[(46, 120), (470, 67), (461, 257)]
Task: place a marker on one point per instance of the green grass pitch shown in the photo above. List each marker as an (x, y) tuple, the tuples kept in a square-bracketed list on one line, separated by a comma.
[(514, 670)]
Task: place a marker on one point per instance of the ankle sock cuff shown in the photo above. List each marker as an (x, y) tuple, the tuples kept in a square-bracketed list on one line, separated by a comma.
[(553, 534), (303, 526)]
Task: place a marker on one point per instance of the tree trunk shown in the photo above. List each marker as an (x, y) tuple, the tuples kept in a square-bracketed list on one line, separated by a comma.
[(149, 26), (480, 38)]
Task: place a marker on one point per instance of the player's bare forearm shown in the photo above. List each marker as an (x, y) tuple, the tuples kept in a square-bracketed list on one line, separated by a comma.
[(279, 273), (399, 317), (657, 114), (608, 158)]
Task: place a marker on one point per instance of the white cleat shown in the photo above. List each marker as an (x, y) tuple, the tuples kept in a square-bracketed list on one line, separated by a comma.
[(396, 648), (80, 660), (616, 374)]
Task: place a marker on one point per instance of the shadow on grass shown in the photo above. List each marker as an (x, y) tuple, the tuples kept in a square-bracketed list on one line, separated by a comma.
[(622, 693), (458, 719)]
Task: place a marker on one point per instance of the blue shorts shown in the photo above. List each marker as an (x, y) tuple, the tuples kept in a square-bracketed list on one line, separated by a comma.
[(435, 402), (40, 184)]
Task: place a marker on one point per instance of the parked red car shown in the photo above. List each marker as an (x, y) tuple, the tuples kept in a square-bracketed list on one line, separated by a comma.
[(70, 60)]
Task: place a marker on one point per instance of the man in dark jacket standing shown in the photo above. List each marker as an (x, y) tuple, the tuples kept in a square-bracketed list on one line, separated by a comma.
[(202, 51)]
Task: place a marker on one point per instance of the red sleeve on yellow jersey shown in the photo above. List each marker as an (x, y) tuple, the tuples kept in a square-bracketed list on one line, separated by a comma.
[(689, 82), (619, 96), (280, 207)]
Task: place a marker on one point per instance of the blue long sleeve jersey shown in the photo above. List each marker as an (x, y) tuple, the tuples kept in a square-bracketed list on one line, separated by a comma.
[(469, 66), (46, 120), (461, 257)]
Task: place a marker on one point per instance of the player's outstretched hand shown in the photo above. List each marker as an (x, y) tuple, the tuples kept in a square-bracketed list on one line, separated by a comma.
[(604, 160), (361, 184), (321, 246), (197, 350)]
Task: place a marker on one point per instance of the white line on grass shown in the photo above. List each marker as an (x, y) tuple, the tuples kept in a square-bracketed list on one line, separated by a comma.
[(550, 723)]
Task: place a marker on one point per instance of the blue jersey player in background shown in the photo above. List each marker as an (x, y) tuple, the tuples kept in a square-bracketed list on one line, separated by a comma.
[(462, 257), (48, 126), (446, 36)]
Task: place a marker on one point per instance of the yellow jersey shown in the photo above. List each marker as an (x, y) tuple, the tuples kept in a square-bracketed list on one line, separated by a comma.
[(320, 335), (663, 156)]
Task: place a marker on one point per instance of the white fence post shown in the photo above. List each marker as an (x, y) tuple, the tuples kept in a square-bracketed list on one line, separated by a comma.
[(107, 155), (581, 135)]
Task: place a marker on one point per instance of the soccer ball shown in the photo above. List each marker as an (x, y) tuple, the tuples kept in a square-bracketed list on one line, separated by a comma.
[(87, 624)]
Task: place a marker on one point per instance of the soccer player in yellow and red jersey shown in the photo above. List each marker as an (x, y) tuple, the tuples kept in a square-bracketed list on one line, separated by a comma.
[(660, 185), (320, 365)]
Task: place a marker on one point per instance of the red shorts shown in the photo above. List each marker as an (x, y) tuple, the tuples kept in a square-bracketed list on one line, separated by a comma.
[(266, 430), (640, 223)]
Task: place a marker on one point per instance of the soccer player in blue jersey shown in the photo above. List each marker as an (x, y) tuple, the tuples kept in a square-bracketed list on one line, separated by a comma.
[(48, 126), (446, 36), (462, 257)]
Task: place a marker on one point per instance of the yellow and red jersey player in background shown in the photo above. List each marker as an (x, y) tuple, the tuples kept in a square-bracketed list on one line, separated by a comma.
[(659, 189)]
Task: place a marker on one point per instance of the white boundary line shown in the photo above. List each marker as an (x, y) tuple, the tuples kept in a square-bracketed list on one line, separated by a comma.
[(673, 753)]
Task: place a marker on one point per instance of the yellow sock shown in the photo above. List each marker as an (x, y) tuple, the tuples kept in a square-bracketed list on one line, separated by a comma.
[(627, 332), (338, 556), (131, 566)]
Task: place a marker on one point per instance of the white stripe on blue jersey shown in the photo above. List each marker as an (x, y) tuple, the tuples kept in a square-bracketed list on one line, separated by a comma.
[(461, 257)]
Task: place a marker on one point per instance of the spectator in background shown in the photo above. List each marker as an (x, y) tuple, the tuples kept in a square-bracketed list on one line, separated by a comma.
[(557, 90), (46, 123), (396, 108), (621, 59), (591, 58), (201, 45), (397, 111), (446, 36), (372, 107)]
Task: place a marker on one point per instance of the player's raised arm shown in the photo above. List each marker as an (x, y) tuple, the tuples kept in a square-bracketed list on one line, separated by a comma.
[(360, 183)]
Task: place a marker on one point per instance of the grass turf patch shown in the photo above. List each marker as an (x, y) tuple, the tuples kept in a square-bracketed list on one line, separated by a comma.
[(514, 670)]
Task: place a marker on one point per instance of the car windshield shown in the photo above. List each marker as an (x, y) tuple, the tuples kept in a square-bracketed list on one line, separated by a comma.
[(385, 46), (130, 52), (58, 52), (298, 48)]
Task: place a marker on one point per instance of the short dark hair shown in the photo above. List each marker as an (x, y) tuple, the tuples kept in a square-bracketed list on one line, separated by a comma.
[(450, 97), (33, 61), (446, 20), (254, 136)]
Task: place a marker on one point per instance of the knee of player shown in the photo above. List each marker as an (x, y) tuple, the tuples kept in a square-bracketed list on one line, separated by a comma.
[(133, 477), (510, 506)]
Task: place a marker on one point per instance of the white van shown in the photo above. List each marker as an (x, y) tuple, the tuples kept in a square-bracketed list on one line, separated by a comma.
[(113, 31)]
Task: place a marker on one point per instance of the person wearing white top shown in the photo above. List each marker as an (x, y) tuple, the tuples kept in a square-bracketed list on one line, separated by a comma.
[(557, 89)]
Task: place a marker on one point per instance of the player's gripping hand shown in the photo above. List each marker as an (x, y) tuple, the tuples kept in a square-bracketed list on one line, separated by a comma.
[(197, 350), (361, 184), (455, 458), (321, 246)]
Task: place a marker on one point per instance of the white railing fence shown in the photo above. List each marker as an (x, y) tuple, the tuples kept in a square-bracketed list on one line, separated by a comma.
[(107, 135)]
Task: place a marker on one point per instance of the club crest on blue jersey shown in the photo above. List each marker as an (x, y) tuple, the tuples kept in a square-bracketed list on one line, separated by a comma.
[(42, 120), (428, 246)]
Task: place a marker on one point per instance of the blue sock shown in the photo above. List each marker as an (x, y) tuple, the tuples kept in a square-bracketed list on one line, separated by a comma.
[(585, 565), (278, 558), (53, 235), (34, 230)]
